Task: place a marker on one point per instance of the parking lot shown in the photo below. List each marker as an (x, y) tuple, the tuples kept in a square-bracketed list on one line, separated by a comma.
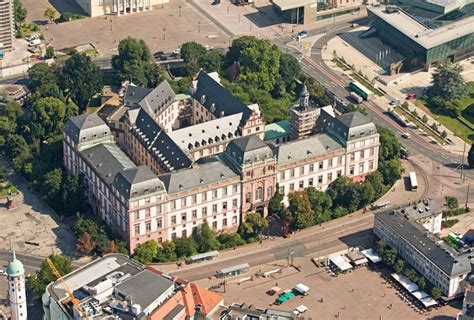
[(360, 294)]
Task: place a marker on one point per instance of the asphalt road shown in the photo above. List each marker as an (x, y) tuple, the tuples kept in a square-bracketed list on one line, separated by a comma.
[(338, 82), (351, 233), (32, 262)]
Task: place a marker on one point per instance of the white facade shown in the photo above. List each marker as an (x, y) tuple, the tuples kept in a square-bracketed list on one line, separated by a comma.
[(95, 8)]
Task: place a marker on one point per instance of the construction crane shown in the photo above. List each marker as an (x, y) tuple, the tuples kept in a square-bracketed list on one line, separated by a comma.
[(66, 287)]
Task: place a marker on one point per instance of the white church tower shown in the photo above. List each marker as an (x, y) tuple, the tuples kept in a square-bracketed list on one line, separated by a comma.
[(16, 288)]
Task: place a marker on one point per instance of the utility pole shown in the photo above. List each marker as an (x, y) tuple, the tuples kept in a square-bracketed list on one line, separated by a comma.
[(462, 161), (467, 194)]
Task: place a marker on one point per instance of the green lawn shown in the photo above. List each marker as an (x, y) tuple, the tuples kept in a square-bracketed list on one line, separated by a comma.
[(454, 124)]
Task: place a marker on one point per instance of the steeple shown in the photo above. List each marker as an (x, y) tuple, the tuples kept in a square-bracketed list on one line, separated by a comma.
[(16, 286), (304, 97)]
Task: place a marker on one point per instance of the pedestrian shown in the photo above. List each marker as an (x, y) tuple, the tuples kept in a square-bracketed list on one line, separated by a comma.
[(276, 284)]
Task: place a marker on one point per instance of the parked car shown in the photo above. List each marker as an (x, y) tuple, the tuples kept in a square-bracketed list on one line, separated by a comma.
[(395, 102), (2, 273), (354, 25), (215, 2), (34, 42), (411, 96), (406, 135), (302, 34), (208, 47)]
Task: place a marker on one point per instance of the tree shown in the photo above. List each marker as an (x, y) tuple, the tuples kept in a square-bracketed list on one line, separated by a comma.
[(289, 68), (19, 13), (274, 204), (114, 246), (424, 118), (47, 115), (436, 293), (452, 202), (41, 74), (185, 247), (321, 203), (470, 157), (422, 283), (230, 240), (50, 13), (391, 171), (51, 185), (380, 247), (167, 252), (389, 144), (411, 274), (434, 126), (74, 199), (38, 281), (85, 244), (448, 82), (207, 240), (135, 63), (253, 226), (49, 52), (299, 211), (399, 265), (376, 181), (146, 252), (366, 194), (7, 128), (444, 134), (97, 232), (389, 256), (81, 78), (18, 150), (259, 61)]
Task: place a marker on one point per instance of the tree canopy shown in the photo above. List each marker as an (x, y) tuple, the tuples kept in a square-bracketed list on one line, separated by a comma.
[(38, 281), (259, 61), (299, 211), (81, 78), (207, 239), (146, 252), (19, 13), (253, 226), (448, 83), (135, 63), (389, 144)]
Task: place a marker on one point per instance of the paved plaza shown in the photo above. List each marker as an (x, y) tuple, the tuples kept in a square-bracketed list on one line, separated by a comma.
[(361, 294), (164, 28), (33, 221)]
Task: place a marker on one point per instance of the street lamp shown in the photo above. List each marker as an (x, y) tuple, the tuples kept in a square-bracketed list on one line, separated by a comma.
[(164, 33), (199, 26), (180, 11)]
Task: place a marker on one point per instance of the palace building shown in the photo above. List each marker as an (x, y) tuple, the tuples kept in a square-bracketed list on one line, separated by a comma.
[(171, 162)]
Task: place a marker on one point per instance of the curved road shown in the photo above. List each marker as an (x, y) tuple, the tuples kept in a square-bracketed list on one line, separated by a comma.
[(30, 261), (338, 82)]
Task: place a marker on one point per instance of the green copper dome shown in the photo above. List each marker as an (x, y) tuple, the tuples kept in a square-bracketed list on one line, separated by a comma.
[(15, 267)]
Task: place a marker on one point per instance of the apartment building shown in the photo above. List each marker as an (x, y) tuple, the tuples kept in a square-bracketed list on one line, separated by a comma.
[(7, 25), (160, 185), (117, 287), (94, 8), (438, 263)]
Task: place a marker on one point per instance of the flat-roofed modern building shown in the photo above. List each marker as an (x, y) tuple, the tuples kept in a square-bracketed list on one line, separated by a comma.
[(438, 6), (7, 26), (310, 11), (420, 44), (405, 230), (94, 8), (117, 287)]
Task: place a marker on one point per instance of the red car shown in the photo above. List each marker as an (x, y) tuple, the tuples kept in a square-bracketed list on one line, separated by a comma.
[(411, 96)]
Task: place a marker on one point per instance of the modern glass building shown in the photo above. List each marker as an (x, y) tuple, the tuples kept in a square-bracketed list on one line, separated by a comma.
[(421, 45)]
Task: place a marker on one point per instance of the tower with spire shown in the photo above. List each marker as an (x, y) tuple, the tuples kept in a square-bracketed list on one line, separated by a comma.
[(303, 116), (16, 288)]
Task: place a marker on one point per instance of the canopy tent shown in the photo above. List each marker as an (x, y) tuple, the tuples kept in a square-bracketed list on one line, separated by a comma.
[(275, 289), (339, 261), (420, 294), (371, 255), (428, 302), (301, 288), (356, 258), (301, 309), (405, 282)]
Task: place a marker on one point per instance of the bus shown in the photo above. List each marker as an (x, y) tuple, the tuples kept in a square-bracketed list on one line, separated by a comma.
[(358, 99), (362, 91), (413, 181)]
